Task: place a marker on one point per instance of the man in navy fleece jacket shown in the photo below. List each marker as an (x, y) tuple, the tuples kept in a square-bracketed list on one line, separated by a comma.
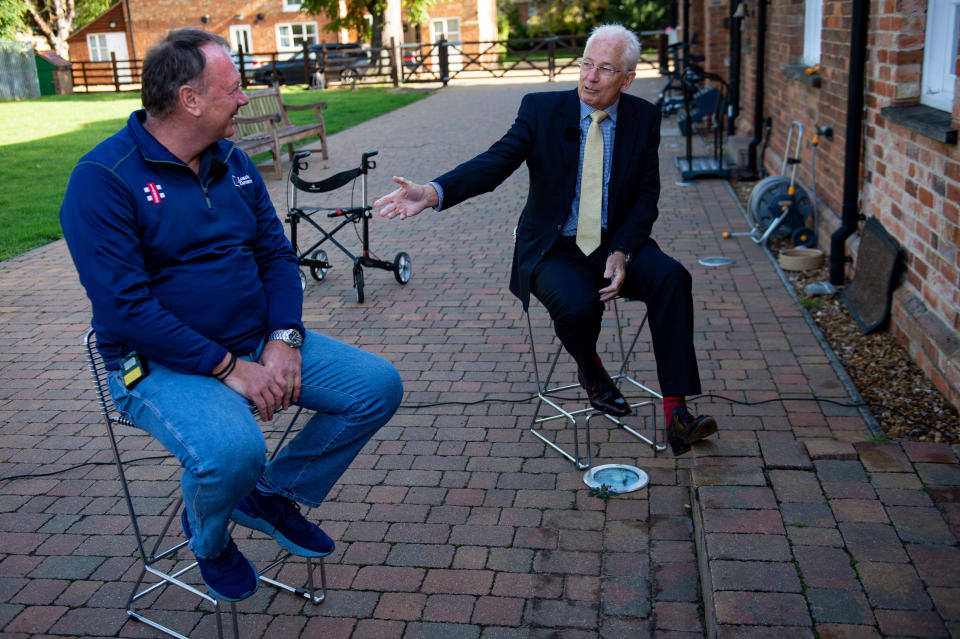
[(187, 267)]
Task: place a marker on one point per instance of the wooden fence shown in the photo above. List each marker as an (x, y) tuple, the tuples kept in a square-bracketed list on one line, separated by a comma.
[(442, 61)]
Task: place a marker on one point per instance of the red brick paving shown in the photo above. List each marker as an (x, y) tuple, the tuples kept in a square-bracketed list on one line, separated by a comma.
[(454, 521)]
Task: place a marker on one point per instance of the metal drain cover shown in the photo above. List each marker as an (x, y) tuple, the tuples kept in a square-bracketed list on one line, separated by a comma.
[(716, 261), (618, 478)]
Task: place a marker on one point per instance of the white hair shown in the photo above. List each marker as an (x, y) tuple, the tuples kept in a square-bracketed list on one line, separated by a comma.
[(631, 45)]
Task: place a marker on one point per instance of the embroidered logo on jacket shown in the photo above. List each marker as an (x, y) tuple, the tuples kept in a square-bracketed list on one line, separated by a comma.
[(241, 180), (154, 192)]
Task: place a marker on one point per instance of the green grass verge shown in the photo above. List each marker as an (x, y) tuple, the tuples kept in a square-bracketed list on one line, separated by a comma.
[(42, 139)]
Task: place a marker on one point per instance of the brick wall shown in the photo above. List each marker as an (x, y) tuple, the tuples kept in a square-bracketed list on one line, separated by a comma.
[(909, 182)]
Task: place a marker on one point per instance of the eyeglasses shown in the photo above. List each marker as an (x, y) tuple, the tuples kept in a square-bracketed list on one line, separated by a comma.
[(587, 67)]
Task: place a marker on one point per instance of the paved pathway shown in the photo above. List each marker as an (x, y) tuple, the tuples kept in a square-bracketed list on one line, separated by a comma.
[(455, 522)]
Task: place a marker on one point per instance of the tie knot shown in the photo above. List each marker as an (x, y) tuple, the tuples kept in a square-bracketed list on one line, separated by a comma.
[(598, 115)]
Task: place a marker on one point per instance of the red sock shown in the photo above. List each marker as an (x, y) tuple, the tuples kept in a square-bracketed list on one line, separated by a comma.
[(669, 403)]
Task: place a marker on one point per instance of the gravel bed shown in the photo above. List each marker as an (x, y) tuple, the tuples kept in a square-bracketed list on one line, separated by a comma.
[(900, 396)]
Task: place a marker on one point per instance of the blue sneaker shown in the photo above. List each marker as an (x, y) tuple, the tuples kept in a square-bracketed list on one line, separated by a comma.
[(230, 576), (280, 518)]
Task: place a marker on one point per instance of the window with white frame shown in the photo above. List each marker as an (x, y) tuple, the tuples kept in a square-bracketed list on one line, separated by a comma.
[(240, 37), (97, 44), (292, 5), (812, 26), (940, 54), (292, 35)]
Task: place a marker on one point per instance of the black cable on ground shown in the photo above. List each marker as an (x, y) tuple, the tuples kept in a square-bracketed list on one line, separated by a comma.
[(530, 398)]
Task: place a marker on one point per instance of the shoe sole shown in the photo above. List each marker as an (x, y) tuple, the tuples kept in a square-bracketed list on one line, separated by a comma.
[(263, 526)]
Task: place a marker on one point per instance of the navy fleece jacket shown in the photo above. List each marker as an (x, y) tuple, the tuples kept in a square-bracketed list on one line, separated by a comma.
[(179, 266)]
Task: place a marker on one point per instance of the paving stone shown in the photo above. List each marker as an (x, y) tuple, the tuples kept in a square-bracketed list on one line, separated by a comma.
[(505, 611), (426, 630), (766, 522), (760, 576), (937, 565), (807, 513), (893, 586), (896, 480), (796, 486), (404, 606), (921, 525), (838, 470), (812, 536), (553, 614), (903, 497), (452, 608), (846, 631), (912, 623), (939, 474), (761, 608), (736, 497), (826, 568), (884, 457), (762, 632), (728, 476), (626, 597), (920, 452), (859, 510), (873, 542), (785, 453), (747, 547), (676, 582), (684, 617), (829, 449), (839, 606)]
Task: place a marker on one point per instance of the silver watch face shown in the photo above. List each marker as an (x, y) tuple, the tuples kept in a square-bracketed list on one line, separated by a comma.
[(293, 337)]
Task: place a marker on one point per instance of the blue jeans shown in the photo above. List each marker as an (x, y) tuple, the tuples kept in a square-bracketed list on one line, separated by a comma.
[(211, 430)]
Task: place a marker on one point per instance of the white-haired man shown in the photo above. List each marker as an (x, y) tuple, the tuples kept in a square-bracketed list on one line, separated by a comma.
[(584, 234)]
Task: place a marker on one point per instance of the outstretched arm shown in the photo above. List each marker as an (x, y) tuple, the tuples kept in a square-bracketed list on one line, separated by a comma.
[(407, 200)]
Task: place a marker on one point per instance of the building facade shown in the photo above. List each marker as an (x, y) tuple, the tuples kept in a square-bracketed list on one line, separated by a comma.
[(906, 166)]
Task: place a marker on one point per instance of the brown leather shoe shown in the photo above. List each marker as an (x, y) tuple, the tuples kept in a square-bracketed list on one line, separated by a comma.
[(684, 429), (604, 394)]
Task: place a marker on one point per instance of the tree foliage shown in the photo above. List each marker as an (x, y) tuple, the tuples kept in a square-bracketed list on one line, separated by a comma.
[(561, 17), (415, 11), (11, 18), (55, 20)]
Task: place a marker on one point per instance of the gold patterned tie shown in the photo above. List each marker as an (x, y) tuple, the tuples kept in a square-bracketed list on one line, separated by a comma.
[(591, 187)]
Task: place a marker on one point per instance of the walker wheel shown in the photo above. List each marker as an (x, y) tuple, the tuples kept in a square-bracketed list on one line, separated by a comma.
[(319, 272), (358, 282), (402, 267), (804, 237), (303, 280)]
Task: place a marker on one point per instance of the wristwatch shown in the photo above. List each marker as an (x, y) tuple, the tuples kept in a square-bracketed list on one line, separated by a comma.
[(289, 336)]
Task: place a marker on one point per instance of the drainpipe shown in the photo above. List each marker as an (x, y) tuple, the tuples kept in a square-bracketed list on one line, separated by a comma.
[(733, 88), (850, 215), (752, 168)]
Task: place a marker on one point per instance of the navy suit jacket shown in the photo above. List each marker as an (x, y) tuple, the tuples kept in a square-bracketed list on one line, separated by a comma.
[(546, 135)]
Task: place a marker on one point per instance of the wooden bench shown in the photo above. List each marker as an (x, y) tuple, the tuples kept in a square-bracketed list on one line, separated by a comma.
[(263, 125)]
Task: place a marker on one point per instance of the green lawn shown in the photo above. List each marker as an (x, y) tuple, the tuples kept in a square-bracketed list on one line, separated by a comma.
[(42, 139)]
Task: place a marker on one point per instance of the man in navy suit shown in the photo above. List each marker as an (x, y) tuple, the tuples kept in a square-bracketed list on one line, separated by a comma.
[(550, 134)]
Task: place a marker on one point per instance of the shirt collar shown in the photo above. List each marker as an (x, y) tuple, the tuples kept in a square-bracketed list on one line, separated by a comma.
[(586, 110)]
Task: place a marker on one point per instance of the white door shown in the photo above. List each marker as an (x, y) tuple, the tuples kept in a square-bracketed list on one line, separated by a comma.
[(449, 30), (101, 45)]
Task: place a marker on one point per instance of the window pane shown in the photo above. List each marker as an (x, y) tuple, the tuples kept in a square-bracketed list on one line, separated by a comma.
[(940, 54)]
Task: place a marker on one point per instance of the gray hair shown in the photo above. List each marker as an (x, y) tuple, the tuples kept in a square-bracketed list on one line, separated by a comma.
[(175, 61), (631, 45)]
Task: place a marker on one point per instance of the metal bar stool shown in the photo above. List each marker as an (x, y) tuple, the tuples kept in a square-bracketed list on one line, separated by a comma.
[(157, 552), (550, 396)]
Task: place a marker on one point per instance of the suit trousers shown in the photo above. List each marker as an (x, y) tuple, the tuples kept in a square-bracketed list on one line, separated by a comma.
[(567, 283)]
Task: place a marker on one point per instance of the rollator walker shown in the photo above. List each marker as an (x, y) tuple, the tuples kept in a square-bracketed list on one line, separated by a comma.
[(314, 257)]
